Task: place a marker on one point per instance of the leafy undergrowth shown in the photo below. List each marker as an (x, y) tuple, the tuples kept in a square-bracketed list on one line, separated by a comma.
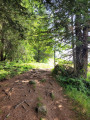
[(76, 88), (88, 76), (10, 69)]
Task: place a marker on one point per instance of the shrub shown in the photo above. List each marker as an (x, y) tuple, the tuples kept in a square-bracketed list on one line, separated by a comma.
[(76, 88), (63, 70)]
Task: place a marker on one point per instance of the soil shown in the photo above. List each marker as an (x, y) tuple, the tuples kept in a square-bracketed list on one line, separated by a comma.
[(18, 98)]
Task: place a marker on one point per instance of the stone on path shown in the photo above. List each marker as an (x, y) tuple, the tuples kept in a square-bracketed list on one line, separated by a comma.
[(42, 110)]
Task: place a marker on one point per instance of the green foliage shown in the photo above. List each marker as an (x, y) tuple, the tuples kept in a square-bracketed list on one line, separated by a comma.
[(88, 76), (83, 101), (12, 15), (52, 96), (76, 88), (88, 73), (73, 83), (63, 70), (39, 104), (24, 31), (39, 99), (3, 74), (65, 76), (32, 82), (61, 62), (10, 69), (89, 64), (43, 80), (43, 119)]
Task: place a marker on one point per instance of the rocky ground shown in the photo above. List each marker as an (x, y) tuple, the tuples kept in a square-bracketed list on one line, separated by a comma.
[(34, 95)]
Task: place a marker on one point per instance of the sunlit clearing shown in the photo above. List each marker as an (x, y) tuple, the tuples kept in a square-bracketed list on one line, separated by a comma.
[(51, 63)]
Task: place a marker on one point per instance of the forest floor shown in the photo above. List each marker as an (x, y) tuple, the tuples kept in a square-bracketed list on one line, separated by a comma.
[(18, 98)]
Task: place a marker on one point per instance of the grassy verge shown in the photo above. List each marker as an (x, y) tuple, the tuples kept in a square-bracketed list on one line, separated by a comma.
[(81, 99), (75, 88), (88, 76), (10, 69)]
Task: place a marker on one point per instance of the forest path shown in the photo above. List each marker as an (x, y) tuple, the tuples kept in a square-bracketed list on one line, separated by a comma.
[(18, 98)]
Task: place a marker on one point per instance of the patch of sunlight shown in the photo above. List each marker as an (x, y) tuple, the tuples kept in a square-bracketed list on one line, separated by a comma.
[(56, 119), (17, 81), (25, 81), (3, 74), (51, 63), (60, 107), (37, 81), (88, 76), (36, 65)]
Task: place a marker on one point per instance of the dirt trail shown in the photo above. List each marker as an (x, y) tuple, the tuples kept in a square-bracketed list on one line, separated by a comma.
[(18, 98)]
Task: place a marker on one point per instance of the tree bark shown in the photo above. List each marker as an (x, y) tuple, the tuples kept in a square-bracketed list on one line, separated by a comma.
[(81, 49), (73, 46), (85, 51), (2, 42), (79, 65)]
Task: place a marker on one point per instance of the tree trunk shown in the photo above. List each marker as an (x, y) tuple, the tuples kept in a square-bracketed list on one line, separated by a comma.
[(2, 42), (73, 46), (79, 65), (85, 51), (81, 49)]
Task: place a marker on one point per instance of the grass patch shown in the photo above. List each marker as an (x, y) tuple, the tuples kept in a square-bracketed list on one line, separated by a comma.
[(52, 96), (43, 119), (82, 100), (11, 69), (43, 80), (39, 104), (88, 76), (32, 82), (3, 74), (39, 99)]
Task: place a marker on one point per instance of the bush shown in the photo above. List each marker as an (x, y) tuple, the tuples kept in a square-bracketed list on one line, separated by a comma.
[(3, 75), (63, 70), (77, 83), (76, 88)]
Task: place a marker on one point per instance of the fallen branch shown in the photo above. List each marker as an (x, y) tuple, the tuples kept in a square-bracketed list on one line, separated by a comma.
[(16, 106), (5, 92), (10, 90), (26, 103), (7, 116), (23, 107)]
